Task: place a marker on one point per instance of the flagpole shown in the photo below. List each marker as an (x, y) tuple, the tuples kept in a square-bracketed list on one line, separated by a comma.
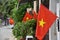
[(52, 30), (35, 6), (39, 3), (29, 9)]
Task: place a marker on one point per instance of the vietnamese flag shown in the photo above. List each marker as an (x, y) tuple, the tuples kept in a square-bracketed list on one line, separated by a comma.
[(27, 16), (11, 21), (34, 15), (44, 21)]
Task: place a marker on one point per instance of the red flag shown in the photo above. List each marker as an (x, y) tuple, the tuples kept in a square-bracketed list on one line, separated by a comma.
[(44, 21), (34, 15), (11, 21), (27, 16)]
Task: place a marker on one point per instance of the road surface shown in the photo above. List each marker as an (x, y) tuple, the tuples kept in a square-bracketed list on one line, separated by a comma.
[(6, 33)]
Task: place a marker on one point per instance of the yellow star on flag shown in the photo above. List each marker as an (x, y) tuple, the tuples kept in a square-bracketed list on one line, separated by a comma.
[(41, 22), (27, 18)]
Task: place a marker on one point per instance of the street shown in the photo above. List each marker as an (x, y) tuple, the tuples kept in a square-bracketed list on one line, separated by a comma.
[(6, 33)]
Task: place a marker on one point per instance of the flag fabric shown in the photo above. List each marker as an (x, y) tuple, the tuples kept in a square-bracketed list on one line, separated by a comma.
[(11, 21), (44, 21), (34, 15), (27, 16)]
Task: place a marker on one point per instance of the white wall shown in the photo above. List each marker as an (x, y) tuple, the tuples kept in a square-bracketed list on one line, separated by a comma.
[(58, 32)]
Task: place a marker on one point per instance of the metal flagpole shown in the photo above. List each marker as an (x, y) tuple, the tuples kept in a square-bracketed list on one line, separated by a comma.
[(35, 6), (52, 30), (39, 3)]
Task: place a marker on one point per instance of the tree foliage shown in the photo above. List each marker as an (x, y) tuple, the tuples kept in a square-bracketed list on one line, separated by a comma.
[(25, 28), (6, 6)]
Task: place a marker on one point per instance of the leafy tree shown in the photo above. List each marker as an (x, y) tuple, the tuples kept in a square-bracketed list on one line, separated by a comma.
[(22, 29), (6, 6)]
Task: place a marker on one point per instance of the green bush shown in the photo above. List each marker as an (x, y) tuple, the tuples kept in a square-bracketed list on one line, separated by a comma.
[(24, 28)]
